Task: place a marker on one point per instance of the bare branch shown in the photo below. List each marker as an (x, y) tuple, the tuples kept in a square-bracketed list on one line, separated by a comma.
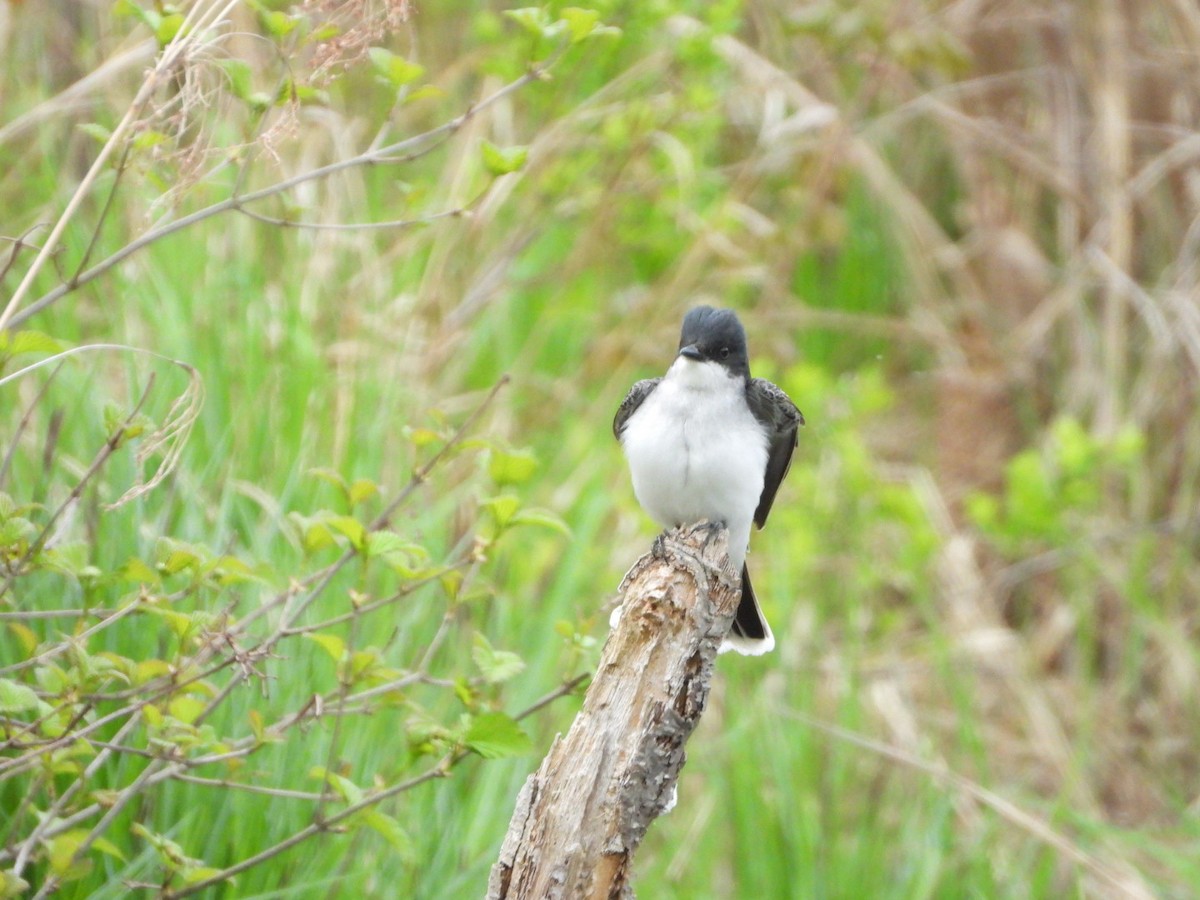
[(420, 142), (249, 788), (441, 770)]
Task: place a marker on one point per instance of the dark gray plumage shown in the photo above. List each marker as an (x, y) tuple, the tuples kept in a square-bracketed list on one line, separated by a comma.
[(775, 409)]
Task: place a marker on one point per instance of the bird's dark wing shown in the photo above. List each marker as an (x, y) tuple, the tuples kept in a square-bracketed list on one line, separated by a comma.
[(633, 400), (778, 413)]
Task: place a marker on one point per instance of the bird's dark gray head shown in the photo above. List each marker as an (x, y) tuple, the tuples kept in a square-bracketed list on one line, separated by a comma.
[(715, 335)]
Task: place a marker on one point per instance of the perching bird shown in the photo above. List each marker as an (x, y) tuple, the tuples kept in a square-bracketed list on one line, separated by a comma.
[(707, 441)]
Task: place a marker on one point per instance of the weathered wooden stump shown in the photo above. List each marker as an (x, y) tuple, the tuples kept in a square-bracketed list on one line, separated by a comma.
[(580, 817)]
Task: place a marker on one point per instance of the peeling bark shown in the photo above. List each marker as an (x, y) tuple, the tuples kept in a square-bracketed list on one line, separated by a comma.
[(580, 818)]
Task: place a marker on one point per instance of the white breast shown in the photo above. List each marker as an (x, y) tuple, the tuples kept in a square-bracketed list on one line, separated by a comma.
[(696, 452)]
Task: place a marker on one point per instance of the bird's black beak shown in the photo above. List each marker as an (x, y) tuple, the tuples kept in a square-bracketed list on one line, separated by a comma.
[(691, 352)]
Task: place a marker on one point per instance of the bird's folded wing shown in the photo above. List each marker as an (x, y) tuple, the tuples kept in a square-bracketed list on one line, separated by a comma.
[(639, 392), (775, 409)]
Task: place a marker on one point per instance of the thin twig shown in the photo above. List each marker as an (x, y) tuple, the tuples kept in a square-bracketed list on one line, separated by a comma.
[(409, 588), (195, 20), (25, 419), (441, 770), (32, 614), (20, 243), (120, 169), (562, 690), (345, 677), (124, 798), (35, 836), (77, 640), (457, 212), (109, 448), (385, 154), (250, 788)]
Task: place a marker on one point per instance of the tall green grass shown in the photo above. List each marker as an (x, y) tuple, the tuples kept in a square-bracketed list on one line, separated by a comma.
[(650, 185)]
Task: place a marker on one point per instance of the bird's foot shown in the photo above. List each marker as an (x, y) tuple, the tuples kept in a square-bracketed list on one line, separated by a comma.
[(711, 527), (659, 547)]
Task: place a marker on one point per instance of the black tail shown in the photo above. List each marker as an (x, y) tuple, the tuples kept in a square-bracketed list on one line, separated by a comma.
[(748, 622)]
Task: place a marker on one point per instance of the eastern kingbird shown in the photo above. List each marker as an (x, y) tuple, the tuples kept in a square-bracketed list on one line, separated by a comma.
[(707, 441)]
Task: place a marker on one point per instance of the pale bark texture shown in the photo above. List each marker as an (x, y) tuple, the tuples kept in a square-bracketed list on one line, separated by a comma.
[(580, 817)]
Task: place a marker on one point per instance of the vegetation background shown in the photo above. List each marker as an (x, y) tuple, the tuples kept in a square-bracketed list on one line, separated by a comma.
[(962, 235)]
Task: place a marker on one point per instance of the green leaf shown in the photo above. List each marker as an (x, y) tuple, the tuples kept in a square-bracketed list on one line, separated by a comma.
[(351, 528), (240, 75), (451, 583), (193, 874), (15, 531), (289, 90), (323, 33), (12, 886), (186, 709), (278, 23), (147, 139), (360, 490), (585, 23), (169, 852), (317, 536), (494, 735), (409, 559), (344, 787), (149, 669), (25, 636), (333, 477), (16, 697), (392, 832), (502, 508), (147, 17), (500, 161), (536, 21), (137, 572), (257, 726), (423, 437), (542, 518), (330, 643), (168, 27), (515, 467), (175, 556), (392, 69), (61, 852), (180, 623), (70, 557), (36, 341), (425, 90), (231, 570), (580, 22), (104, 845), (51, 678), (496, 665), (361, 663)]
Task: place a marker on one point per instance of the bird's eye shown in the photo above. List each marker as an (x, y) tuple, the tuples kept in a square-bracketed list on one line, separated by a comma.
[(724, 353)]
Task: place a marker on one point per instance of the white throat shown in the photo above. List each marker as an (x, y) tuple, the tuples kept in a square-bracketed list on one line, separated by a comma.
[(702, 375)]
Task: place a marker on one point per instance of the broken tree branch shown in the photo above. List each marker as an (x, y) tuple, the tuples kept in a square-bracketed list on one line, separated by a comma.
[(580, 818)]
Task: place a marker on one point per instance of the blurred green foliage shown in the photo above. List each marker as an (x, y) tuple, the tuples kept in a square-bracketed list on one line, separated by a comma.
[(659, 154)]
